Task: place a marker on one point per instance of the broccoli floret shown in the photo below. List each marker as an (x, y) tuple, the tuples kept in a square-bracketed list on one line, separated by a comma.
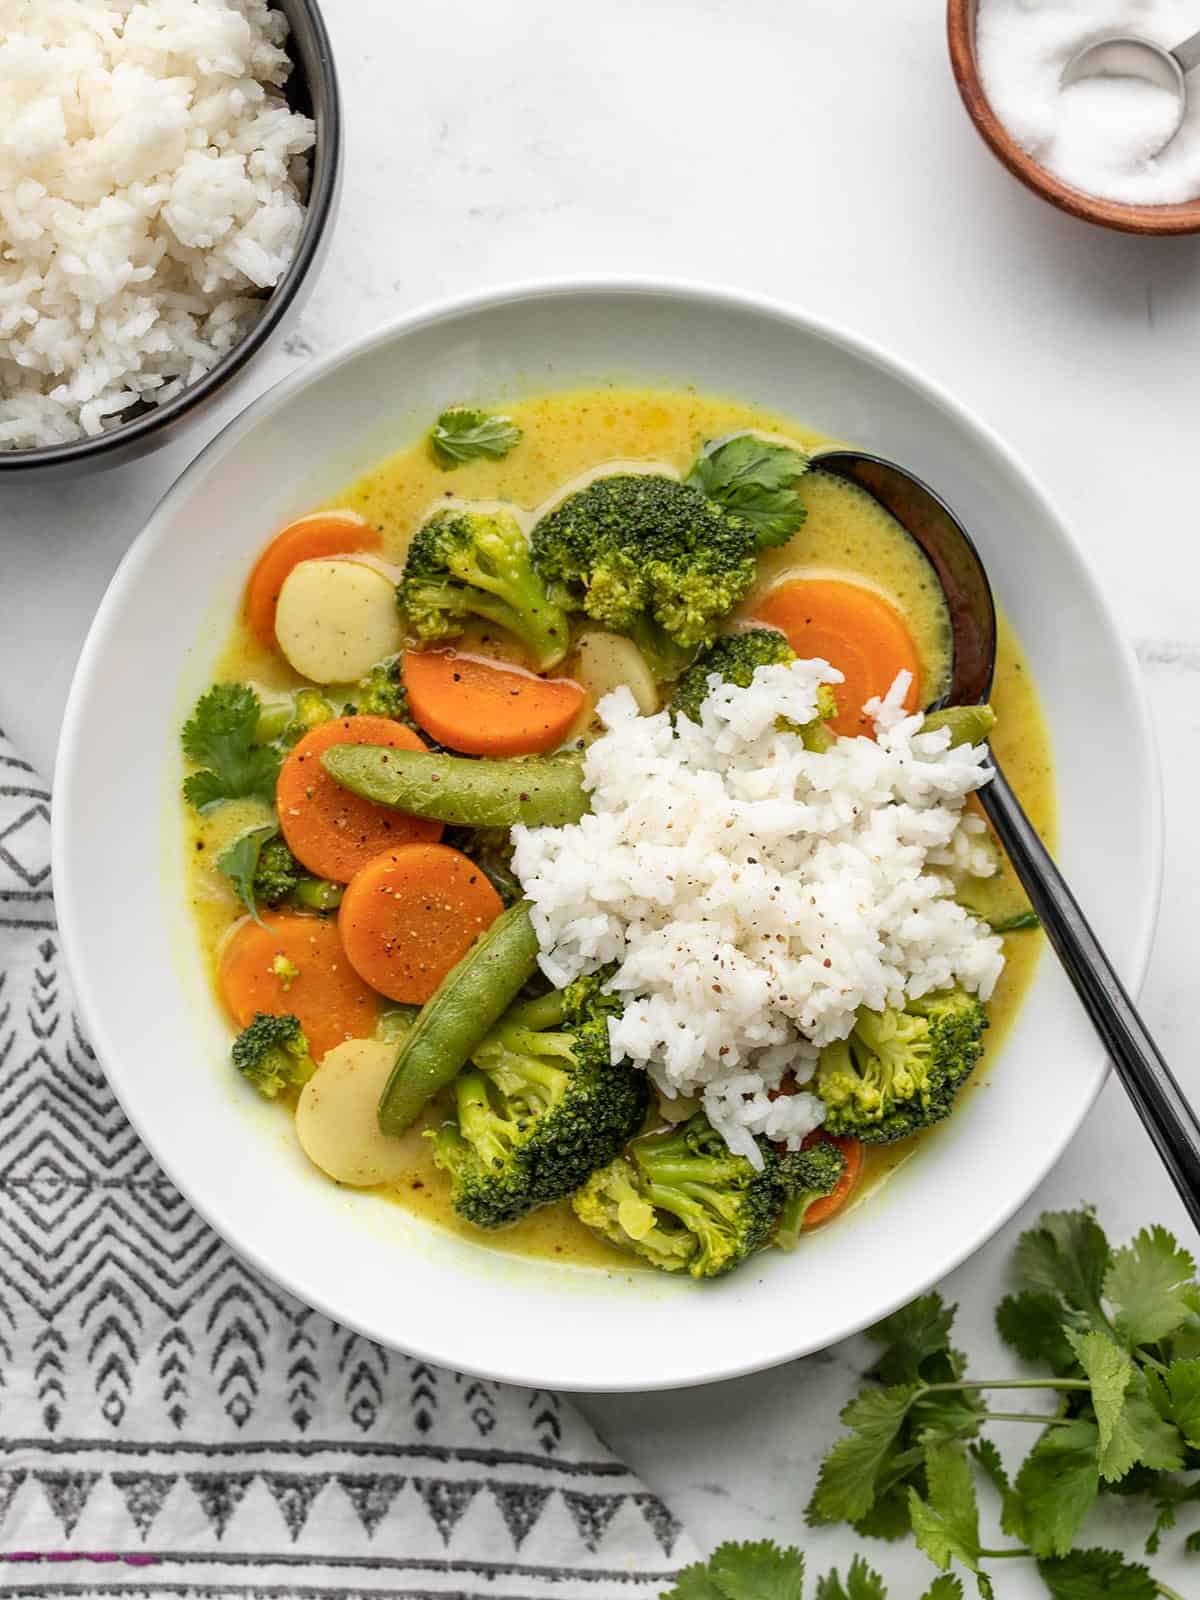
[(683, 1200), (539, 1111), (285, 721), (612, 1202), (277, 873), (272, 1054), (899, 1071), (491, 850), (810, 1174), (381, 693), (648, 557), (465, 564), (735, 658)]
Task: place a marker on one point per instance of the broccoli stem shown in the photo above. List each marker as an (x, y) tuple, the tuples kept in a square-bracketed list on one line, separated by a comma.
[(317, 894), (476, 1120), (538, 1015), (666, 658)]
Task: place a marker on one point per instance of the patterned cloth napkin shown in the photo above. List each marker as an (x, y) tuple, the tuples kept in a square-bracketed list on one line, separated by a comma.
[(172, 1425)]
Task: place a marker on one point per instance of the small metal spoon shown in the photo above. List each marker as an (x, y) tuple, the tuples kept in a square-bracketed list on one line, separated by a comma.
[(1156, 1096), (1122, 55)]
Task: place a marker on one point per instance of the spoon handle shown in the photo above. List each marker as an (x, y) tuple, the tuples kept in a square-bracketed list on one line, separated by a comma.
[(1148, 1080), (1188, 53)]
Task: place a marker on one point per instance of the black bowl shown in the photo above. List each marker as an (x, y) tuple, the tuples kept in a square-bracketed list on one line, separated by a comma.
[(313, 89)]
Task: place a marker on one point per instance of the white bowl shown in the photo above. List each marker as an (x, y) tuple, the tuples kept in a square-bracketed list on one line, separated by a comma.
[(119, 869)]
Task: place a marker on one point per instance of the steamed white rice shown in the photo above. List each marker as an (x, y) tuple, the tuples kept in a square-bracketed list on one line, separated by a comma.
[(151, 189), (754, 894)]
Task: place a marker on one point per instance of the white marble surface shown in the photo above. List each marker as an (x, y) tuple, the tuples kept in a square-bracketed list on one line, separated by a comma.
[(818, 153)]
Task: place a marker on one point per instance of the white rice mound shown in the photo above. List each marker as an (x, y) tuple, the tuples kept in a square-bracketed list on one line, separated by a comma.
[(754, 894), (151, 189)]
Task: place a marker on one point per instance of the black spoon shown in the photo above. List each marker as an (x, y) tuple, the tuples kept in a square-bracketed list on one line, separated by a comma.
[(1148, 1080)]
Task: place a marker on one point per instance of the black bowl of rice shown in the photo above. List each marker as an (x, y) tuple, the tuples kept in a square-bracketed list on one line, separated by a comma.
[(168, 183)]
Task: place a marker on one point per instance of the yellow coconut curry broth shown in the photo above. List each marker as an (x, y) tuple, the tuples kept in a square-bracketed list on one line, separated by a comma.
[(846, 538)]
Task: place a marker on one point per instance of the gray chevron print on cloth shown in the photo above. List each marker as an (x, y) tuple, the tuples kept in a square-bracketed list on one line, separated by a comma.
[(172, 1425)]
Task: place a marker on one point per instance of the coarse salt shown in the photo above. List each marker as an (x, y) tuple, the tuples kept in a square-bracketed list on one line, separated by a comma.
[(1104, 136)]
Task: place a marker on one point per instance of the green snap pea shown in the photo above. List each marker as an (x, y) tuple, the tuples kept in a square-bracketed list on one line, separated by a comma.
[(1019, 922), (541, 791), (469, 1000), (967, 724)]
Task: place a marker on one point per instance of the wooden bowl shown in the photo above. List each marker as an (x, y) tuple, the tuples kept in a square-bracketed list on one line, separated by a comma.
[(1182, 217)]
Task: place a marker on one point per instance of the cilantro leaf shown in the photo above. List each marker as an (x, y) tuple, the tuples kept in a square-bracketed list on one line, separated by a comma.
[(1182, 1380), (746, 1571), (1012, 1512), (848, 1481), (755, 479), (464, 434), (946, 1526), (1032, 1324), (1066, 1256), (220, 737), (862, 1583), (1167, 1495), (1130, 1427), (757, 1571), (694, 1583), (888, 1518), (947, 1587), (239, 863), (913, 1335), (1084, 1574), (1148, 1284), (1057, 1485)]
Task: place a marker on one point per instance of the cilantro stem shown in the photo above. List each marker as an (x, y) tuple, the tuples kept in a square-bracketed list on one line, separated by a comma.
[(1168, 1594), (1039, 1417), (1006, 1383)]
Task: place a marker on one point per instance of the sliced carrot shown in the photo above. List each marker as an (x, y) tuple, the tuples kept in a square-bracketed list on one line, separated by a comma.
[(484, 709), (855, 630), (410, 915), (326, 533), (296, 964), (821, 1210), (329, 830)]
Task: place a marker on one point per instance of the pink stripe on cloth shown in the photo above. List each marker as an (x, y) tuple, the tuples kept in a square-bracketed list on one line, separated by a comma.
[(131, 1560)]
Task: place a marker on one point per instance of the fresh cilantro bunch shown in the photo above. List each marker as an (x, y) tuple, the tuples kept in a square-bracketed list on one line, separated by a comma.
[(757, 480), (1119, 1331), (221, 738)]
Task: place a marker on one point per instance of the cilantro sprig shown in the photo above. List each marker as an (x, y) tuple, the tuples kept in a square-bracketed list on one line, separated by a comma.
[(221, 739), (1117, 1334), (757, 479), (465, 434)]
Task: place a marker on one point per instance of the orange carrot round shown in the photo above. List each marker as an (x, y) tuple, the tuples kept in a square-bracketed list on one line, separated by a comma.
[(855, 630), (828, 1205), (326, 533), (411, 914), (329, 830), (485, 709), (296, 964)]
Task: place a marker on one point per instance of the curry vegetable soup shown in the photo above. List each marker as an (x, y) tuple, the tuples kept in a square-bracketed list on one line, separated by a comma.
[(572, 852)]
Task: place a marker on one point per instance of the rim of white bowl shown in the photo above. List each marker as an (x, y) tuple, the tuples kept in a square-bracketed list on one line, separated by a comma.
[(696, 291)]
